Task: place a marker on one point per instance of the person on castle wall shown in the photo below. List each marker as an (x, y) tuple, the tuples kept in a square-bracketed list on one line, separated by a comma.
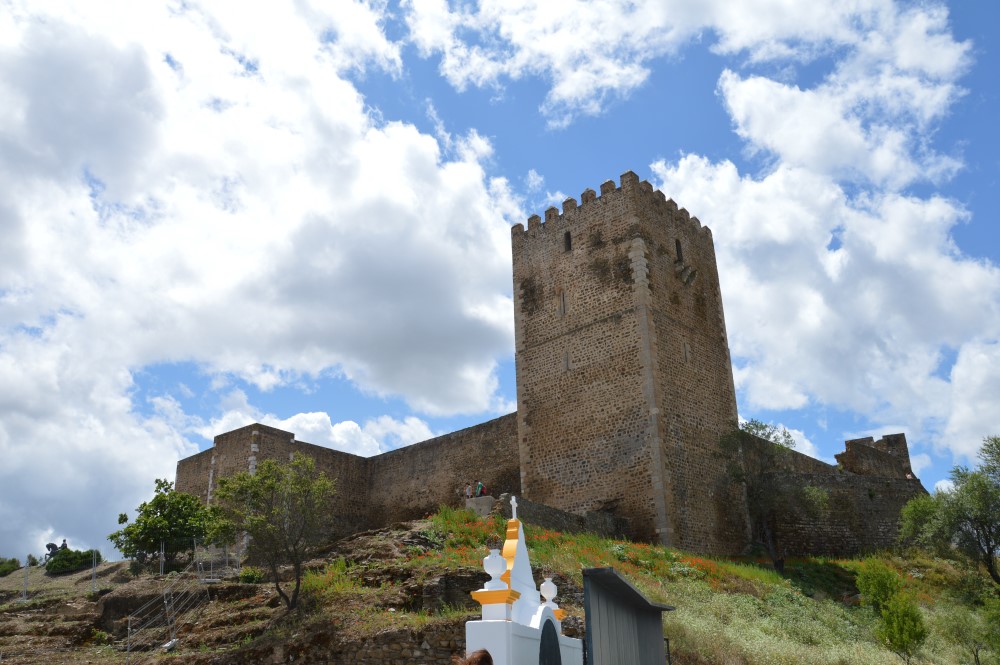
[(468, 490), (480, 488), (481, 657)]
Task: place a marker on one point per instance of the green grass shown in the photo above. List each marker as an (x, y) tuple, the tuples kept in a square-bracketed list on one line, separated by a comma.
[(337, 578), (737, 610)]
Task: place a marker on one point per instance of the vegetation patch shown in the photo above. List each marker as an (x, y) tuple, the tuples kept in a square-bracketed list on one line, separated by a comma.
[(8, 566), (917, 605), (70, 561)]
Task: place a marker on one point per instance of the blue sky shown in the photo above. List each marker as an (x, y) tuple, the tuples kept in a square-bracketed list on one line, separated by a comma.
[(300, 215)]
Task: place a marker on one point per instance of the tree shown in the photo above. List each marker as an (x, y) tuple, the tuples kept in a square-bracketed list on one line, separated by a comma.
[(991, 615), (974, 631), (967, 517), (755, 450), (920, 522), (989, 455), (284, 508), (972, 511), (902, 626), (172, 518)]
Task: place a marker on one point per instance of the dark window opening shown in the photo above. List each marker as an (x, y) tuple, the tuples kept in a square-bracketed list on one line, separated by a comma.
[(567, 242), (680, 254)]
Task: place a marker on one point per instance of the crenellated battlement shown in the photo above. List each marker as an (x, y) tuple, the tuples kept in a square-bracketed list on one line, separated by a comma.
[(624, 389), (640, 193)]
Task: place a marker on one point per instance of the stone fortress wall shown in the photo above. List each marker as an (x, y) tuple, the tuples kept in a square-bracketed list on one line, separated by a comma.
[(624, 386), (401, 484), (865, 492)]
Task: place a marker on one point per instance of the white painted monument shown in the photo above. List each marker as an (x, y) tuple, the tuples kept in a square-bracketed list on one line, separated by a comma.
[(518, 627)]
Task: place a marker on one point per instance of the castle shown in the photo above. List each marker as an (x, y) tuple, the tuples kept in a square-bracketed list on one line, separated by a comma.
[(624, 388)]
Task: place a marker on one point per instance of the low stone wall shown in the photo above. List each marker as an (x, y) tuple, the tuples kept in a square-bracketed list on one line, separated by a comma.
[(546, 517), (435, 644)]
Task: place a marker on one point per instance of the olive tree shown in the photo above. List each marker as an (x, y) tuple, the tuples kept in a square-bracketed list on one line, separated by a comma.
[(284, 509), (966, 517)]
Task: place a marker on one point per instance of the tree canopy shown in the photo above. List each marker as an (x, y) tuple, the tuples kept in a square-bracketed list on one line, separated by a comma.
[(966, 517), (172, 518), (285, 510)]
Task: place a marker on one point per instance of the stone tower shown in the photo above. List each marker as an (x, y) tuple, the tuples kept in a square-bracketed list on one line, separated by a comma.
[(624, 381)]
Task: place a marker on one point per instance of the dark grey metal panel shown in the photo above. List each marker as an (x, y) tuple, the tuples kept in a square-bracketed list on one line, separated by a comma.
[(548, 648), (623, 627)]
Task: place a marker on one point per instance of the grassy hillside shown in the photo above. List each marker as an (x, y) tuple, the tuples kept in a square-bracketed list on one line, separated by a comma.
[(405, 589), (739, 611)]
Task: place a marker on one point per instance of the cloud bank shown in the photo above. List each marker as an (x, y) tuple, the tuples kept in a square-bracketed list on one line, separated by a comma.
[(202, 184)]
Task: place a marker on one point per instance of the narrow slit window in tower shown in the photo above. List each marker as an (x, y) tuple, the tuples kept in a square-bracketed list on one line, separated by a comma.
[(562, 303), (567, 242), (680, 254), (566, 361)]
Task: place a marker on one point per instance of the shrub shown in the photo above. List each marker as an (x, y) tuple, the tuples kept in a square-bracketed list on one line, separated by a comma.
[(878, 583), (8, 566), (816, 500), (32, 560), (98, 636), (251, 575), (68, 561), (135, 567), (902, 627)]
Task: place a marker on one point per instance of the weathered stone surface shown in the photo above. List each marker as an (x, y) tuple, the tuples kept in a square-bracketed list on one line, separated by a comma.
[(624, 386), (624, 377), (401, 484)]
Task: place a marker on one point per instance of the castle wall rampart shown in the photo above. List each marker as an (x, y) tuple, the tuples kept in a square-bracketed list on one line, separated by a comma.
[(624, 389), (786, 460), (193, 474), (351, 475), (242, 449), (862, 513), (399, 484), (412, 481)]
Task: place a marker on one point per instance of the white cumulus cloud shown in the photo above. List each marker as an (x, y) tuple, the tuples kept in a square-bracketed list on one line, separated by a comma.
[(201, 184)]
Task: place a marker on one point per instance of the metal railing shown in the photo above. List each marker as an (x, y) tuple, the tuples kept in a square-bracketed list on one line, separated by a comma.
[(154, 627)]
